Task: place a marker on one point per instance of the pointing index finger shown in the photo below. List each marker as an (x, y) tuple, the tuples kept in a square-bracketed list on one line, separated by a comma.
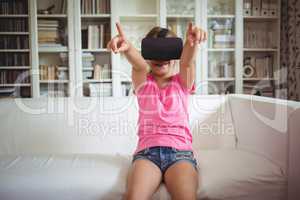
[(190, 26), (120, 30)]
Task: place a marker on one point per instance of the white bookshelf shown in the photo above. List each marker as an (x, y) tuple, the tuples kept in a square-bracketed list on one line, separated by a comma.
[(137, 18)]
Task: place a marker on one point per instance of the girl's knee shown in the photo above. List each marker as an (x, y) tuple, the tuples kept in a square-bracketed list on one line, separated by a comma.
[(135, 195)]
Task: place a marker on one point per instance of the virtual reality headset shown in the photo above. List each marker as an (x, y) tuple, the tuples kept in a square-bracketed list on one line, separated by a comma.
[(162, 48)]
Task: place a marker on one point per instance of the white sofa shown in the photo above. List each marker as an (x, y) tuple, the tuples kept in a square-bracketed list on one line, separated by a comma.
[(81, 148)]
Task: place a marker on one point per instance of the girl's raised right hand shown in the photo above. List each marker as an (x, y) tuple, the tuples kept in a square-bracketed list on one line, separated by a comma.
[(118, 43)]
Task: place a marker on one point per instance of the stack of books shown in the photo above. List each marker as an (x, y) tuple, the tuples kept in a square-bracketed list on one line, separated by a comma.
[(87, 65), (100, 89), (50, 90), (87, 60), (48, 33)]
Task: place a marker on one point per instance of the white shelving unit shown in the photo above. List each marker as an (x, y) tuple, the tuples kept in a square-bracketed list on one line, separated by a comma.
[(221, 18)]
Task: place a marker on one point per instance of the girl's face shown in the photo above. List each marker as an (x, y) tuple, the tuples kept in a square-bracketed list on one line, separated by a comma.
[(161, 68)]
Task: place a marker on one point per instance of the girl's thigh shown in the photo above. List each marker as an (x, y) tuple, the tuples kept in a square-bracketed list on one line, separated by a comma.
[(143, 179)]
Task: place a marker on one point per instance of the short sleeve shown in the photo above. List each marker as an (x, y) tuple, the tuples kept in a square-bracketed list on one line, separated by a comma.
[(137, 91), (191, 90)]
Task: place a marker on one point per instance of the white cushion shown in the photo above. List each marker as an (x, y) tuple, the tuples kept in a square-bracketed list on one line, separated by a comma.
[(227, 174), (235, 174)]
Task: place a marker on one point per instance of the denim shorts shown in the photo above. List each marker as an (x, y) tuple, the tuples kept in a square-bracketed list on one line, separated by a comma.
[(164, 157)]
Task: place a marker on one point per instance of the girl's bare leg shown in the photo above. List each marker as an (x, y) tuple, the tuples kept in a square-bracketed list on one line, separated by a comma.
[(143, 180)]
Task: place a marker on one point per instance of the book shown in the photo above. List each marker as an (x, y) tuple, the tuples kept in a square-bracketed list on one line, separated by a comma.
[(13, 7), (95, 6), (95, 36)]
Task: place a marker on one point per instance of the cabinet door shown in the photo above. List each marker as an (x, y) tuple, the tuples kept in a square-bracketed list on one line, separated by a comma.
[(53, 47), (137, 18), (179, 14), (221, 46), (95, 18)]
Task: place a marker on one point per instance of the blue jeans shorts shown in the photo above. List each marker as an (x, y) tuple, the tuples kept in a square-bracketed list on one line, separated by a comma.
[(164, 157)]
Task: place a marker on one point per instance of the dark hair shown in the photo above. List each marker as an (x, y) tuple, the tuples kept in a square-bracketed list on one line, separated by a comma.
[(155, 31)]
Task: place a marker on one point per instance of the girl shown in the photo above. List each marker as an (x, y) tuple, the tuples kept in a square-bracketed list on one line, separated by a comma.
[(164, 133)]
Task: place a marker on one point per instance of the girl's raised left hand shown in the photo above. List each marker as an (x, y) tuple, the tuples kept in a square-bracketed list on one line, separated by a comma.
[(195, 35)]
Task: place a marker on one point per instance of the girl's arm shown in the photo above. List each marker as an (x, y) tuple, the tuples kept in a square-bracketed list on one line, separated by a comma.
[(119, 44), (194, 36)]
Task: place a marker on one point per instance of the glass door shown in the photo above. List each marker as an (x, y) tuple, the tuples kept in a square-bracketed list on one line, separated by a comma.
[(220, 49)]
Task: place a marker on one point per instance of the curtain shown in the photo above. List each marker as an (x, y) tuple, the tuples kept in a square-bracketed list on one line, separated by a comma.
[(290, 48)]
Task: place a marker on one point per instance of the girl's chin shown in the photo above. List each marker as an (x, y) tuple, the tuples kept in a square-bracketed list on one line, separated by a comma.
[(161, 71)]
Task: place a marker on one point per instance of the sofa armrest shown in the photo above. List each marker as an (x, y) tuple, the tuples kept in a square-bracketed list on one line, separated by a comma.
[(261, 125), (293, 156)]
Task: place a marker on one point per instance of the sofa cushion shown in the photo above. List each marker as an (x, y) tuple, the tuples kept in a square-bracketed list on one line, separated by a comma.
[(237, 174), (226, 174)]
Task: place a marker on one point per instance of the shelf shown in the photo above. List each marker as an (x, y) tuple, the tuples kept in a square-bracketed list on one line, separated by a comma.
[(52, 16), (260, 50), (13, 16), (220, 16), (259, 79), (140, 16), (124, 80), (54, 81), (220, 79), (15, 85), (96, 50), (14, 50), (14, 67), (87, 69), (220, 49), (53, 49), (95, 16), (180, 16), (14, 33), (260, 18), (98, 81)]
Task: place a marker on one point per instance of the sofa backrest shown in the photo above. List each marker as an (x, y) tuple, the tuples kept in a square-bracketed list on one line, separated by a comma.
[(261, 125), (211, 122), (99, 125), (67, 125)]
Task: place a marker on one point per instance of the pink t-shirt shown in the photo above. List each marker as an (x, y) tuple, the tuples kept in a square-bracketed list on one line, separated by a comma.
[(163, 114)]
